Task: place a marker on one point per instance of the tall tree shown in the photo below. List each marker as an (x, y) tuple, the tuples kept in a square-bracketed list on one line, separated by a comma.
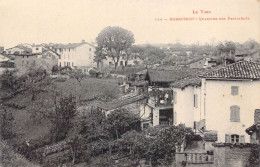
[(114, 41)]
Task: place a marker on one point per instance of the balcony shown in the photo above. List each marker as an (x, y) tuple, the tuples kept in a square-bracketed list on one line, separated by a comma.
[(199, 158), (194, 158), (161, 98)]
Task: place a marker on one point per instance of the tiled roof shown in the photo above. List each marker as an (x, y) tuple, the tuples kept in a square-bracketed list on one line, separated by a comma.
[(70, 45), (238, 70), (192, 80), (120, 102), (167, 75)]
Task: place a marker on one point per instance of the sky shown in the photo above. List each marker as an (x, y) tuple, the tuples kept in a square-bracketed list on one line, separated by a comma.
[(69, 21)]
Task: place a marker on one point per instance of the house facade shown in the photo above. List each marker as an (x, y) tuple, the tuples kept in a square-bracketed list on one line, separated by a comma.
[(15, 50), (229, 98), (187, 105), (159, 108), (205, 62), (45, 59), (75, 55), (133, 59)]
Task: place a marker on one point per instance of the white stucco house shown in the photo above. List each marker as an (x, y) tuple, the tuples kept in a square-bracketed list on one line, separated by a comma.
[(222, 100), (230, 96), (75, 54), (187, 104)]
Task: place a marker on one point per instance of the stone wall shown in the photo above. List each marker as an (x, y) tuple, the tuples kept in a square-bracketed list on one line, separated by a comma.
[(231, 156)]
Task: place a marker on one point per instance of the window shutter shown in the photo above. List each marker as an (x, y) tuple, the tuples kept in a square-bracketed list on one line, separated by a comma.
[(234, 90), (227, 138), (175, 117), (196, 100), (242, 139), (234, 114)]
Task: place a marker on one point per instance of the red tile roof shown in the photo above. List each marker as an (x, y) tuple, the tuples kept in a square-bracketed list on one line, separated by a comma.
[(238, 70)]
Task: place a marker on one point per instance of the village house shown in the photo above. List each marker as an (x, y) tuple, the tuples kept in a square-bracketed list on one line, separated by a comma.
[(6, 62), (130, 60), (75, 55), (229, 96), (187, 100), (254, 130), (159, 108), (247, 55), (17, 50), (223, 95), (220, 107), (45, 59), (204, 62)]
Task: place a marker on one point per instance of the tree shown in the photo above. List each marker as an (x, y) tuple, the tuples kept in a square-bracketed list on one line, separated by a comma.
[(114, 41), (228, 47), (121, 121), (7, 121), (100, 55), (62, 119), (153, 55), (78, 75)]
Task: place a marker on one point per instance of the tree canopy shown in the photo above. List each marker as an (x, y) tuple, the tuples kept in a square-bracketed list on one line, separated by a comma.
[(113, 41)]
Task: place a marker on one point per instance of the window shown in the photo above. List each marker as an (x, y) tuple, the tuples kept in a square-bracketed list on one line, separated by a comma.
[(235, 113), (23, 56), (68, 63), (89, 49), (121, 63), (234, 90), (195, 100), (72, 64), (60, 64), (175, 97), (234, 138), (64, 63)]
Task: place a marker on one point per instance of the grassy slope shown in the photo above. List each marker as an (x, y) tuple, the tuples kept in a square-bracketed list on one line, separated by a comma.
[(8, 158), (27, 129)]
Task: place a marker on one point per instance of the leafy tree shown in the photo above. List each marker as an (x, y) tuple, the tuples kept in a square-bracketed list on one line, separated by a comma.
[(100, 55), (7, 122), (121, 121), (35, 82), (62, 119), (227, 47), (78, 75), (153, 55), (114, 41), (10, 81)]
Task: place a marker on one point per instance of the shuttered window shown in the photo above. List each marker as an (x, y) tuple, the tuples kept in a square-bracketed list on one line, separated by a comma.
[(234, 138), (227, 138), (235, 113), (175, 97), (234, 90), (195, 100), (242, 139), (175, 117)]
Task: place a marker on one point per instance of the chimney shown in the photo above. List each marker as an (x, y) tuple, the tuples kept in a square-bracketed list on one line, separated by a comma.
[(83, 41), (257, 116)]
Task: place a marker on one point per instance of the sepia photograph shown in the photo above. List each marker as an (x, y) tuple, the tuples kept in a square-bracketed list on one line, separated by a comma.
[(130, 83)]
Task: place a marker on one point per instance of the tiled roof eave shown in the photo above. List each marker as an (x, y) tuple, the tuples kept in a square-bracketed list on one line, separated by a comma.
[(231, 79)]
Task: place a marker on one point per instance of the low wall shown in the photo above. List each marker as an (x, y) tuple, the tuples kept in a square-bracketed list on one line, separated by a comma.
[(229, 155)]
